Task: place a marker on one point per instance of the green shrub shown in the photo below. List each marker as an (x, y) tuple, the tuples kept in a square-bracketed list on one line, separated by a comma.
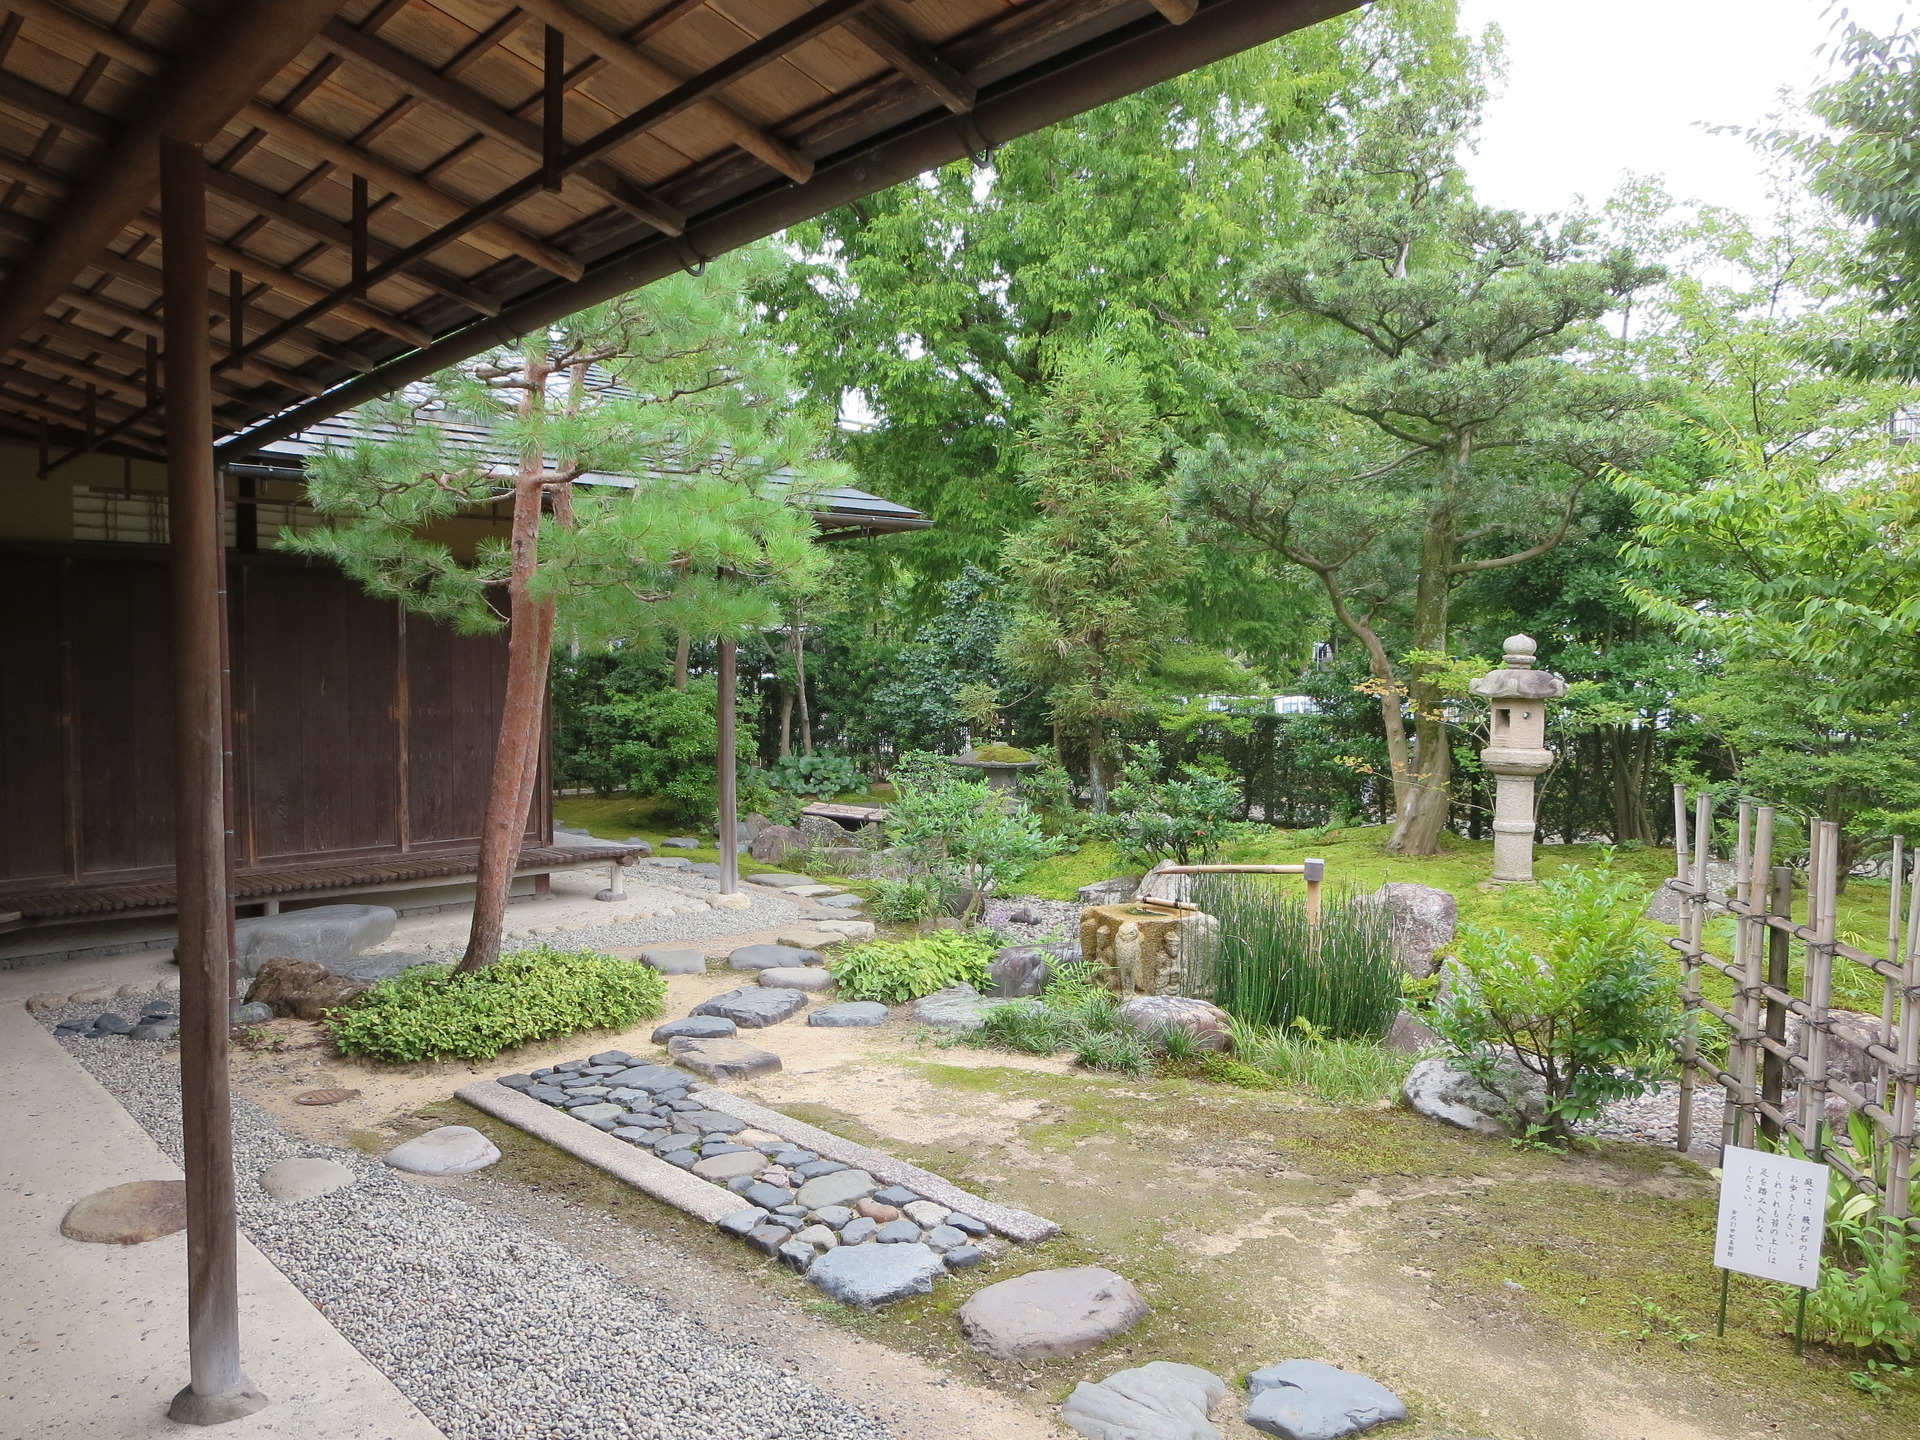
[(429, 1013), (1267, 966), (901, 902), (896, 971), (1591, 1015), (822, 774), (963, 834), (1341, 1072), (1184, 818)]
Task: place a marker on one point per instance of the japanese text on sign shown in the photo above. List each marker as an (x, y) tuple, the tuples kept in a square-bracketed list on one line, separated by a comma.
[(1773, 1214)]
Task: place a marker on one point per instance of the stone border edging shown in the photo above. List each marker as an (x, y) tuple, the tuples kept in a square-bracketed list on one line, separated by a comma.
[(640, 1169), (1015, 1224)]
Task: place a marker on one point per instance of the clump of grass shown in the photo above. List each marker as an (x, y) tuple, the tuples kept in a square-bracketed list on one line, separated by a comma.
[(1267, 965), (1341, 1072)]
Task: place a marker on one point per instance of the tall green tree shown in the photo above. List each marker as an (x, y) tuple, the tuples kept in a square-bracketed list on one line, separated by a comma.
[(1095, 573), (664, 385), (1430, 406)]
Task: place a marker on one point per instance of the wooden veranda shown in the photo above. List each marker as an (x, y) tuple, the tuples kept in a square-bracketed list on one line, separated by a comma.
[(224, 222)]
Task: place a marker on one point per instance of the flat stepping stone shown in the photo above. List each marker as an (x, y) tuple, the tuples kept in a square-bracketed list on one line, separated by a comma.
[(674, 960), (812, 891), (722, 1168), (604, 1110), (450, 1150), (770, 957), (1157, 1401), (722, 1059), (852, 929), (868, 1275), (670, 862), (654, 1079), (846, 900), (842, 1187), (810, 978), (681, 842), (303, 1179), (1309, 1400), (810, 941), (129, 1214), (850, 1014), (696, 1027), (778, 880), (1049, 1314), (958, 1007), (756, 1007)]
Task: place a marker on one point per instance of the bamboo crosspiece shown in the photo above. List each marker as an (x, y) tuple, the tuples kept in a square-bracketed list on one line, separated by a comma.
[(1761, 1066)]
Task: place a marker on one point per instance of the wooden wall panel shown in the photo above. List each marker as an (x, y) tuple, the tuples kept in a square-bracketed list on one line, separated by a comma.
[(34, 806), (454, 684), (120, 676)]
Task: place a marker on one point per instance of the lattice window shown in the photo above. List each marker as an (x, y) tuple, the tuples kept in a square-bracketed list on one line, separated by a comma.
[(139, 517)]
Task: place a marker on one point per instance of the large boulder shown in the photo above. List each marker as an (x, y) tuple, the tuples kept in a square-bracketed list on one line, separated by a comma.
[(1849, 1033), (1160, 1400), (1309, 1400), (450, 1150), (1020, 970), (754, 1007), (1669, 903), (322, 934), (1441, 1090), (1109, 892), (1411, 1035), (958, 1007), (821, 830), (773, 844), (303, 989), (1424, 921), (1048, 1314), (771, 957), (1154, 1015)]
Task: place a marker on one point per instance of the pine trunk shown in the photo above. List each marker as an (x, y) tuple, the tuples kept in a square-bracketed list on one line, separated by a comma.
[(682, 653)]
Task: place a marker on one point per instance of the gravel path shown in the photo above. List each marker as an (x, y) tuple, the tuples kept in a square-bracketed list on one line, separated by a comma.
[(1054, 919), (492, 1331), (1655, 1119)]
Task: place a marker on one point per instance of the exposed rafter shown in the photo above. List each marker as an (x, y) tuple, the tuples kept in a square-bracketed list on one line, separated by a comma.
[(896, 44)]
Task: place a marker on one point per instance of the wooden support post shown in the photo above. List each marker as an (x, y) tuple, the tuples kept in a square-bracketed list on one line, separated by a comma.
[(1754, 932), (553, 101), (1906, 1086), (1823, 886), (728, 771), (219, 1389), (1695, 931), (1889, 988), (1316, 873), (1740, 1049), (1773, 1068)]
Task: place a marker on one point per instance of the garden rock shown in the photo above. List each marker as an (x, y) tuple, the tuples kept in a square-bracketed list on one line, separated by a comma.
[(842, 1187), (129, 1214), (1020, 970), (450, 1150), (754, 1008), (680, 842), (303, 989), (1424, 920), (847, 929), (1669, 903), (322, 934), (1152, 1016), (1157, 1401), (1109, 892), (1411, 1035), (654, 1079), (1848, 1038), (868, 1275), (722, 1059), (796, 977), (847, 900), (672, 961), (1047, 1314), (779, 879), (958, 1007), (898, 1232), (924, 1212), (773, 843), (304, 1178), (254, 1012), (850, 1014), (810, 942), (696, 1027), (768, 957), (671, 862), (722, 1168), (1308, 1400), (1440, 1090)]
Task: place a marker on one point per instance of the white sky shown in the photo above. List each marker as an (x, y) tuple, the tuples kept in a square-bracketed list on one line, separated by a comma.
[(1595, 90)]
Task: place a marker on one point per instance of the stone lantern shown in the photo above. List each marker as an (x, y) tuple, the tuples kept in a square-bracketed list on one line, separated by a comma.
[(1516, 752)]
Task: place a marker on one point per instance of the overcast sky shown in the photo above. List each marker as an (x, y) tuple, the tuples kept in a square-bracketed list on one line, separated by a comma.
[(1595, 90)]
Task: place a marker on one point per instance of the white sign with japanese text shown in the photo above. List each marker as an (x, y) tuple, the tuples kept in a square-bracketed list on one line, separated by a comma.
[(1773, 1215)]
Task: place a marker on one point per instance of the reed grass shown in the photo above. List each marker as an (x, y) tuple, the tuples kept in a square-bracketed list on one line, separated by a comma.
[(1268, 967)]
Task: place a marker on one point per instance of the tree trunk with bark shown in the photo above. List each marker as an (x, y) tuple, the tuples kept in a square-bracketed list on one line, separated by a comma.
[(800, 687), (682, 653)]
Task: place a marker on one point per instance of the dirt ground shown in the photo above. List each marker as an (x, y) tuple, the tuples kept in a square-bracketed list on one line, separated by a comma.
[(1504, 1294)]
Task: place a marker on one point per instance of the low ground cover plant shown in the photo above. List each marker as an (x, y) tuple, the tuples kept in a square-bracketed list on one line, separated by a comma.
[(1076, 1014), (896, 971), (1590, 1013), (429, 1013)]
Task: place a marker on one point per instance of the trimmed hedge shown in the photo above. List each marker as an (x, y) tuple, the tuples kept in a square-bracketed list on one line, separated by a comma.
[(429, 1013)]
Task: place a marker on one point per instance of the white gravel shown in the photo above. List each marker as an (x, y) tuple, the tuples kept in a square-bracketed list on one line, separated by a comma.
[(1056, 919), (492, 1331), (1655, 1119)]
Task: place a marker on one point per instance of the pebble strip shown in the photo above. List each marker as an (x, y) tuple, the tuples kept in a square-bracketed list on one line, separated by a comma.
[(493, 1332), (795, 1203)]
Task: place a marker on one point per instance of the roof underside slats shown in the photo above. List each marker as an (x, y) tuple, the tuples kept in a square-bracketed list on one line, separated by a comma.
[(413, 134)]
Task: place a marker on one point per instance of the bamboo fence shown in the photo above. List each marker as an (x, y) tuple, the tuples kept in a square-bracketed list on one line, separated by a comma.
[(1762, 1068)]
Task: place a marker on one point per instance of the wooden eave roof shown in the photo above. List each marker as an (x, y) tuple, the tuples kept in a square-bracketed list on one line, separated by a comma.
[(379, 171)]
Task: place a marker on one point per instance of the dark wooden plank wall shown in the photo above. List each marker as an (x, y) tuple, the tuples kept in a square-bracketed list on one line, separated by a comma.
[(358, 730)]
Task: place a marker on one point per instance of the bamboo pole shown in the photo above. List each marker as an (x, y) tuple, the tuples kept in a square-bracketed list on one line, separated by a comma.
[(1889, 989), (1690, 974), (1773, 1082), (1900, 1151), (1741, 1114), (1819, 989)]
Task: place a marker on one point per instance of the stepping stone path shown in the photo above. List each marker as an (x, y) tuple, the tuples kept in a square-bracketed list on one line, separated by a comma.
[(304, 1178), (810, 978), (812, 942), (157, 1020), (1157, 1401), (844, 901), (754, 1008), (850, 1014), (772, 957), (1047, 1314), (450, 1150), (674, 961), (723, 1059), (851, 929), (819, 1217), (1308, 1400), (681, 842), (696, 1027), (129, 1214), (778, 880), (958, 1007)]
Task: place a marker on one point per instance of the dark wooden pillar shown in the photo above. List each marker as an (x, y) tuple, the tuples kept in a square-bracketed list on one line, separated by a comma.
[(219, 1389), (729, 771)]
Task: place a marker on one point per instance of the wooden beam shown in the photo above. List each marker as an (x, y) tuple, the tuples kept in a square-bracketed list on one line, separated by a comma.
[(651, 72), (422, 80), (84, 32), (261, 370), (132, 387), (27, 96), (499, 238), (896, 44), (1178, 12), (324, 227), (82, 338), (238, 52)]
